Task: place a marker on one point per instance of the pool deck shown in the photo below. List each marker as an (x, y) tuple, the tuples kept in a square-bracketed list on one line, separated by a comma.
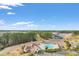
[(56, 42)]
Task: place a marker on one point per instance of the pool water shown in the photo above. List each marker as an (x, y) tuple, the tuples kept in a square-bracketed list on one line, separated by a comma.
[(49, 46)]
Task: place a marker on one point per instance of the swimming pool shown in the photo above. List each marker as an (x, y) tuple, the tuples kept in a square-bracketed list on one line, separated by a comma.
[(49, 46)]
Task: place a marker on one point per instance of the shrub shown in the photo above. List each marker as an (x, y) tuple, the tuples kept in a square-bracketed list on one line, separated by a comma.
[(71, 54), (40, 51), (68, 45), (1, 46), (27, 54), (77, 48), (51, 50)]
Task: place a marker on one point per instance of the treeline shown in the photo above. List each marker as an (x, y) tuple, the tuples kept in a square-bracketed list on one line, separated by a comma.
[(9, 39), (75, 32)]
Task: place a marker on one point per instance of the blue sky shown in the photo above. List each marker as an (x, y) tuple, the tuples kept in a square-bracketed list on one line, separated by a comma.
[(39, 16)]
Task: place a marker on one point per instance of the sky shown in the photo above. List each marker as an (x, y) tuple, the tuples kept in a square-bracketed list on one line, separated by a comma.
[(39, 16)]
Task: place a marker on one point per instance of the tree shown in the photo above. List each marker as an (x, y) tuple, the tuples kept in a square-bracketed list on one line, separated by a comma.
[(46, 35), (9, 39), (5, 38), (38, 38)]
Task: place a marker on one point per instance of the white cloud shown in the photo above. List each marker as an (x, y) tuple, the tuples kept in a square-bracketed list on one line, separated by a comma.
[(32, 26), (21, 23), (12, 1), (10, 13), (4, 7), (18, 25), (24, 26), (12, 4), (6, 4)]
